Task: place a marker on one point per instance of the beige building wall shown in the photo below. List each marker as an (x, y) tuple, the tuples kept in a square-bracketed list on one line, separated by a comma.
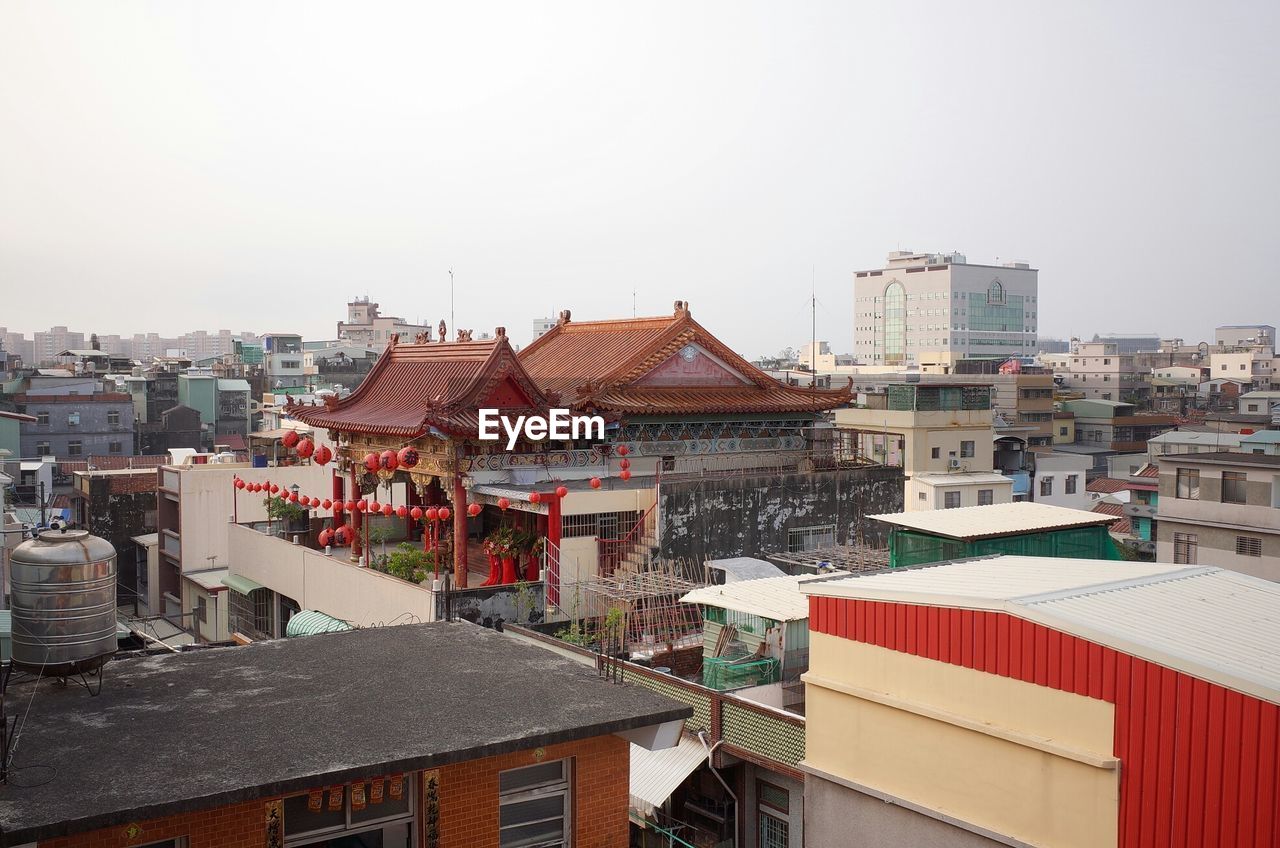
[(929, 491), (943, 432), (995, 754)]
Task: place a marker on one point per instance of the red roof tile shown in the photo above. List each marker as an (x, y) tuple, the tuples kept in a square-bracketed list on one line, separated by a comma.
[(1149, 470), (599, 364), (413, 388), (1107, 485), (1122, 526)]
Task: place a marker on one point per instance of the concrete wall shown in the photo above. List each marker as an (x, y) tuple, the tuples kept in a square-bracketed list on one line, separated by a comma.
[(929, 491), (922, 432), (744, 516), (998, 754), (833, 813), (93, 432)]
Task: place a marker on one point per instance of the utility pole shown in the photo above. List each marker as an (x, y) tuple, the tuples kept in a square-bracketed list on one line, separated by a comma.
[(452, 321)]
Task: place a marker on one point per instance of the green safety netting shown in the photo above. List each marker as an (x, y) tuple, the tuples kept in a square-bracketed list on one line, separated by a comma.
[(909, 547)]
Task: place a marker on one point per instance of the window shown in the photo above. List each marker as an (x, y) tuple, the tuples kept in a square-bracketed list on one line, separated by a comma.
[(42, 449), (115, 447), (950, 500), (74, 448), (966, 448), (1046, 486), (1062, 431), (534, 806), (935, 452), (73, 419), (202, 609), (923, 496), (42, 418), (1233, 487), (113, 417), (1189, 483), (986, 497), (180, 842), (1184, 548), (1248, 546), (811, 538), (772, 806), (380, 809), (1069, 487)]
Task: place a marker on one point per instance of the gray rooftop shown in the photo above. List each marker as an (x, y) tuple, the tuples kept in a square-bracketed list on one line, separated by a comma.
[(220, 726)]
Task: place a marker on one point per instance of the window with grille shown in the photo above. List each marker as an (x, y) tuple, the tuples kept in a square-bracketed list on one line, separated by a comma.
[(1189, 483), (772, 805), (113, 416), (1248, 546), (810, 538), (202, 609), (606, 525), (1233, 487), (73, 419), (42, 418), (74, 448), (950, 500), (1046, 486), (1185, 547), (43, 449), (115, 447), (1069, 487), (966, 449), (534, 806), (986, 497)]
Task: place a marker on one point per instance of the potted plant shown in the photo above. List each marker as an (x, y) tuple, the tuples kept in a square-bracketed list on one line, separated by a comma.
[(509, 549), (533, 565), (292, 517), (492, 548)]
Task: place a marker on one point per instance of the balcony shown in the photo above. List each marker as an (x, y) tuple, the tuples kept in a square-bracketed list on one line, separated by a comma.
[(171, 544)]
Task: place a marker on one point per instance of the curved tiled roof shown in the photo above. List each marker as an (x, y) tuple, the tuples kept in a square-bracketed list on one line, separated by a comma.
[(597, 363), (415, 387)]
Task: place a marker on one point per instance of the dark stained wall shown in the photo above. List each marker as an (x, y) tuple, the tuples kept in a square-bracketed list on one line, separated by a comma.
[(746, 516)]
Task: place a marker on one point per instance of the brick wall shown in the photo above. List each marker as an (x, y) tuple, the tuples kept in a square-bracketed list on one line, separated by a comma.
[(237, 826), (467, 803), (468, 793)]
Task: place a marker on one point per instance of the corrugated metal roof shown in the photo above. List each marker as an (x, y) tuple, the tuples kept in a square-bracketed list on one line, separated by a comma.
[(745, 568), (1269, 437), (776, 598), (981, 522), (656, 774), (1211, 623)]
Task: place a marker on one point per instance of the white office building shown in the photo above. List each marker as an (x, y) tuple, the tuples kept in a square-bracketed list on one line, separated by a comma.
[(935, 308)]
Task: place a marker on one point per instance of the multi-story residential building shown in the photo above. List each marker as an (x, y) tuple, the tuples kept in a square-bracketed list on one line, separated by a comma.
[(1221, 509), (1100, 370), (1058, 479), (118, 505), (282, 361), (18, 345), (1191, 441), (1128, 344), (48, 344), (1256, 365), (1245, 335), (1036, 701), (925, 308), (941, 437), (1261, 403), (74, 426), (542, 325), (1115, 426), (338, 364), (366, 327)]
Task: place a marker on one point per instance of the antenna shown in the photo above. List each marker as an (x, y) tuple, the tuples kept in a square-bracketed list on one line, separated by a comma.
[(452, 322)]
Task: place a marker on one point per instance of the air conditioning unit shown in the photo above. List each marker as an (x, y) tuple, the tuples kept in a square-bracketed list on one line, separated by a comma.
[(953, 464)]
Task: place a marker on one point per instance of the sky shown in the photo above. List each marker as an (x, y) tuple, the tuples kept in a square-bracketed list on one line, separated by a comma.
[(169, 166)]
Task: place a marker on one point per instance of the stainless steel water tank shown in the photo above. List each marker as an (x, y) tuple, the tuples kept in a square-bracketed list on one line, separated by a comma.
[(63, 602)]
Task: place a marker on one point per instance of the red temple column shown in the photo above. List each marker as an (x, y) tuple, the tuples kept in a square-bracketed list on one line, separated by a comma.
[(459, 533), (553, 544), (357, 520)]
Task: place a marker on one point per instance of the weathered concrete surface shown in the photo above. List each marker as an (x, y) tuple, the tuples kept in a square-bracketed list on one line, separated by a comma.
[(744, 516)]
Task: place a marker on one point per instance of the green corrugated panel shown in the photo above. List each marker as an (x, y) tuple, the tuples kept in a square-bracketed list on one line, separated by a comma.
[(769, 736), (311, 622), (701, 719)]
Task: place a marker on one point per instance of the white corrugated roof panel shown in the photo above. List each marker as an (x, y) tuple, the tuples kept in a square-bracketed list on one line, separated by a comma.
[(777, 598), (980, 522), (656, 774), (745, 568), (1214, 624)]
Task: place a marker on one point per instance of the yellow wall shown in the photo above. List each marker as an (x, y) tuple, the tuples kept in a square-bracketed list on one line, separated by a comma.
[(1070, 437), (1012, 757)]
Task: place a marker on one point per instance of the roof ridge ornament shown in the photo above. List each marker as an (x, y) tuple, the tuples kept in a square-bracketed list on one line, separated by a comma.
[(565, 316), (682, 307)]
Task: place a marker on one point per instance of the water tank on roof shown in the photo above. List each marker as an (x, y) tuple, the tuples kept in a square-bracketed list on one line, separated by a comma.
[(63, 602)]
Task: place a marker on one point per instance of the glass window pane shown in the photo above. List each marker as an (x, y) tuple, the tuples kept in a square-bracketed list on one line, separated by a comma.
[(534, 810), (299, 819), (530, 776), (540, 835)]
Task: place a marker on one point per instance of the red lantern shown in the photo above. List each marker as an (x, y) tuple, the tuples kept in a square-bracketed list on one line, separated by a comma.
[(290, 438), (503, 503), (361, 505), (349, 506), (293, 497), (416, 513), (624, 474), (534, 498), (473, 509), (374, 506), (402, 511), (624, 463), (324, 538), (388, 460), (315, 503), (388, 510), (322, 455), (306, 447), (326, 504), (444, 513), (340, 536), (433, 513), (623, 450), (408, 457), (561, 491), (239, 483), (371, 461), (595, 482), (275, 489)]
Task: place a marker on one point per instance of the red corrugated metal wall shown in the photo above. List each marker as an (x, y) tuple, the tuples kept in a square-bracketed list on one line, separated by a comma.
[(1200, 764)]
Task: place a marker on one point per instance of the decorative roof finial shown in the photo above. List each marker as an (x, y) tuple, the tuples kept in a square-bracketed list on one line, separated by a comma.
[(444, 333), (500, 332), (682, 306), (565, 316)]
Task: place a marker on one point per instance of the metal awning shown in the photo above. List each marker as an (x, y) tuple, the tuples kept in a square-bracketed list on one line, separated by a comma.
[(241, 584), (656, 774), (212, 580), (311, 622)]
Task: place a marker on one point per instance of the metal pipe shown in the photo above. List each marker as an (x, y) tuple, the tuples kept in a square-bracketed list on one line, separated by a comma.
[(711, 749)]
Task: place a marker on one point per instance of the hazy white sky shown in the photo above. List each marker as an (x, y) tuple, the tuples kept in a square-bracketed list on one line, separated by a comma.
[(174, 165)]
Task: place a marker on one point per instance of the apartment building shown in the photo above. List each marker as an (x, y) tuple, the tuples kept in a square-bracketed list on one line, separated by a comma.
[(933, 308), (1220, 509), (48, 344), (74, 426), (367, 327), (1102, 372), (282, 361)]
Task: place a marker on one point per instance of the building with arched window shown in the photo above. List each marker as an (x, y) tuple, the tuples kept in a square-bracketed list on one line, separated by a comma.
[(931, 309)]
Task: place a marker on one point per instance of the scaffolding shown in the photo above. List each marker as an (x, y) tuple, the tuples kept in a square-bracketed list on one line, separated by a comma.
[(852, 558)]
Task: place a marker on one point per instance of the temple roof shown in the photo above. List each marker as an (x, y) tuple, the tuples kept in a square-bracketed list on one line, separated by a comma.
[(415, 387), (662, 365)]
